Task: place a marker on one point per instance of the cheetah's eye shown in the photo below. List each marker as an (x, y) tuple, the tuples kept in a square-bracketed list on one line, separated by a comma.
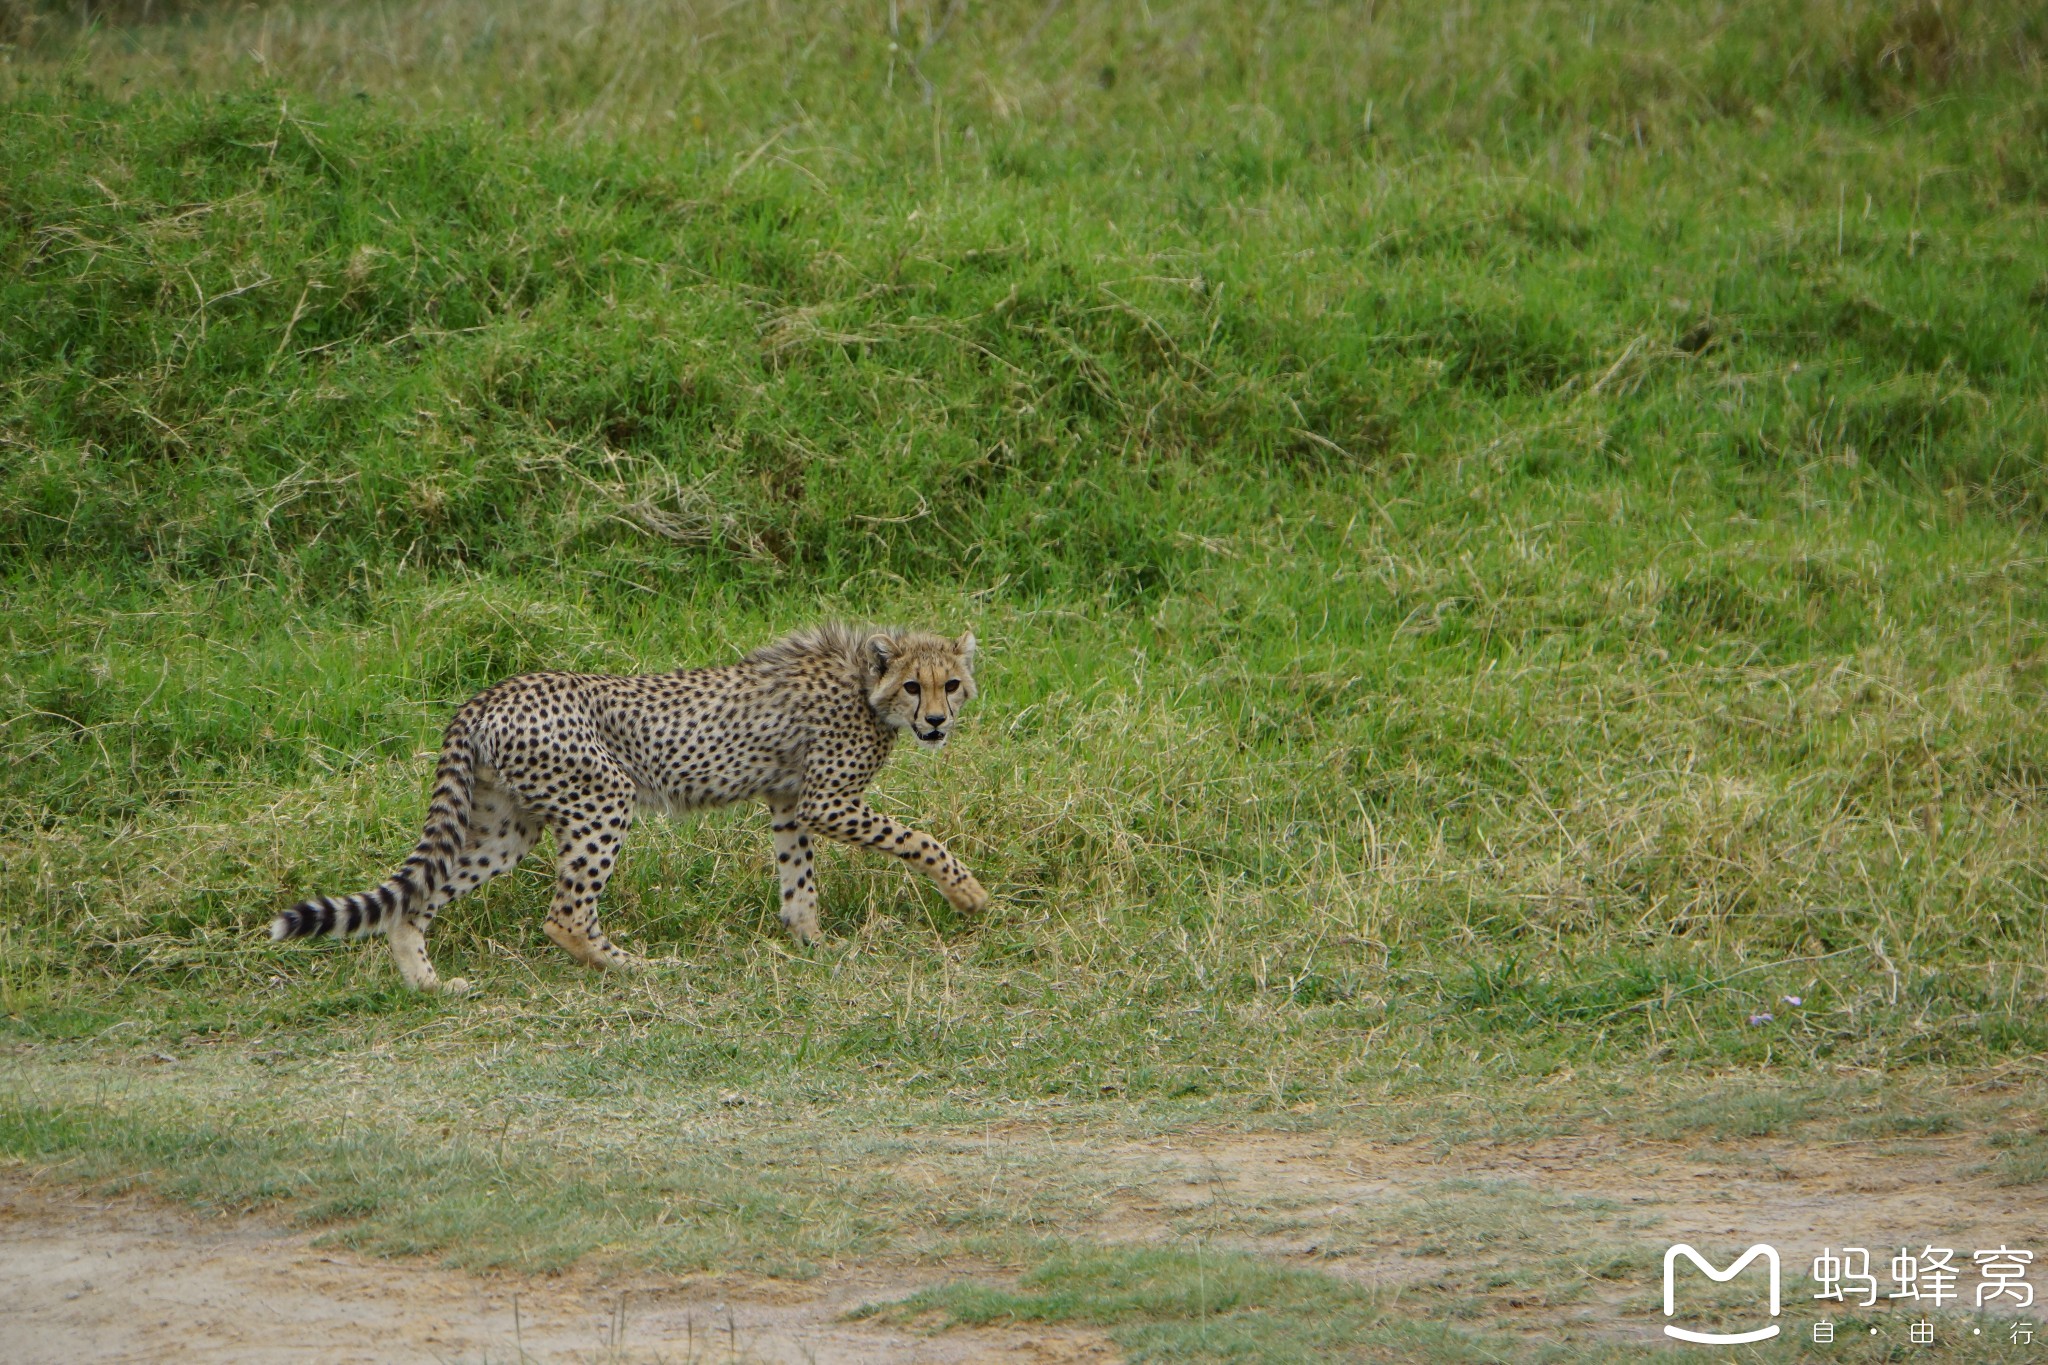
[(911, 688), (952, 684)]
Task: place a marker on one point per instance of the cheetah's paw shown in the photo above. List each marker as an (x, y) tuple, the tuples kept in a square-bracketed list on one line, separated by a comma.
[(969, 897)]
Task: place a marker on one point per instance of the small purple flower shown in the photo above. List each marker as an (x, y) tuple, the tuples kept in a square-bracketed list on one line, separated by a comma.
[(1763, 1017), (1792, 1000)]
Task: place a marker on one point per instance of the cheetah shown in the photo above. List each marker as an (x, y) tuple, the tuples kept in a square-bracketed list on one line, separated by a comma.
[(803, 724)]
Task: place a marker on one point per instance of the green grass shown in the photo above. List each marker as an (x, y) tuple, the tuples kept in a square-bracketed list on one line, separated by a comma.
[(1172, 1304), (1507, 543)]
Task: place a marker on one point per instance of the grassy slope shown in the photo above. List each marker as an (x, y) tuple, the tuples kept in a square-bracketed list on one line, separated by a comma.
[(1507, 543)]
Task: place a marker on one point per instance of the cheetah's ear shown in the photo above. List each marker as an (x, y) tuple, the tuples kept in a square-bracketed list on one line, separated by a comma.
[(877, 653), (964, 647)]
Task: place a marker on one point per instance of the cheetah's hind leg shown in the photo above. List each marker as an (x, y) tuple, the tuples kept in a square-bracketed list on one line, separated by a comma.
[(587, 841), (500, 834)]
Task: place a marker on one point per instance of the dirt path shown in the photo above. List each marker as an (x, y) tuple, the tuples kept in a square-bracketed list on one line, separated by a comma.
[(1564, 1237), (1522, 1227), (132, 1280), (1792, 1194)]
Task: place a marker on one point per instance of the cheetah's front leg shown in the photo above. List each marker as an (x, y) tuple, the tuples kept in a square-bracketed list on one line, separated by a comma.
[(852, 820), (796, 866)]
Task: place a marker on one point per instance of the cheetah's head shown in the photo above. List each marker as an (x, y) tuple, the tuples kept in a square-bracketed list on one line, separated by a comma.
[(919, 682)]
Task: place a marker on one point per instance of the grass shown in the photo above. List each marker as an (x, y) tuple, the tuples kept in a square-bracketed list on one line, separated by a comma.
[(1506, 541), (1170, 1304)]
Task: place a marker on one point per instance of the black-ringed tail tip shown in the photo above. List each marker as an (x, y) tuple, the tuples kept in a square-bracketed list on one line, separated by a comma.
[(803, 725)]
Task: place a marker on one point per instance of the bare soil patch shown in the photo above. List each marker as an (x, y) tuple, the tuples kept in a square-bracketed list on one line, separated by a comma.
[(130, 1279), (1789, 1192), (1566, 1235)]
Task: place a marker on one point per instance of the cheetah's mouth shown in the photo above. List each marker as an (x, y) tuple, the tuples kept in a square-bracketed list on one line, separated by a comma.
[(929, 736)]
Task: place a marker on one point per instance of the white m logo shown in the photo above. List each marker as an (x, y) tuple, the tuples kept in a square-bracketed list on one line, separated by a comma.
[(1770, 1256)]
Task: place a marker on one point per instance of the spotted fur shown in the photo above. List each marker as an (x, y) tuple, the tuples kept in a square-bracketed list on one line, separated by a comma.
[(803, 725)]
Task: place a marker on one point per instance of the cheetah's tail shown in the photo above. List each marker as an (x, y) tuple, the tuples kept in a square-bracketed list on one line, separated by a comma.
[(429, 866)]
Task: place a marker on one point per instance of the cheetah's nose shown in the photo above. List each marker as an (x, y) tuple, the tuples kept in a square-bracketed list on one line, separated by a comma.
[(935, 721)]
